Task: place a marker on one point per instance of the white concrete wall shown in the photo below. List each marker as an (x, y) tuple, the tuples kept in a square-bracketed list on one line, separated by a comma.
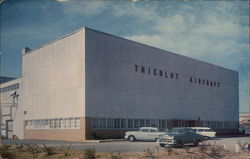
[(114, 89), (53, 79)]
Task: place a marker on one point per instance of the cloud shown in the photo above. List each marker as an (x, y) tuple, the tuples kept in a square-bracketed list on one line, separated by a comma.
[(213, 32), (204, 36), (86, 8), (62, 0)]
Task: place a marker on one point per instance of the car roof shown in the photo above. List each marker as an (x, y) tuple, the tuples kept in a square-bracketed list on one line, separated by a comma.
[(199, 127), (181, 128), (148, 128)]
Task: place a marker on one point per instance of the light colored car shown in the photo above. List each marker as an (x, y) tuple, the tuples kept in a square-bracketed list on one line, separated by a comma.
[(179, 136), (145, 134), (205, 131)]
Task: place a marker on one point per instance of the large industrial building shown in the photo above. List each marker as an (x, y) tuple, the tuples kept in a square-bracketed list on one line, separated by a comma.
[(90, 84)]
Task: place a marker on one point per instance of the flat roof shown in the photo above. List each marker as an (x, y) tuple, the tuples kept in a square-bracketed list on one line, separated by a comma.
[(5, 79)]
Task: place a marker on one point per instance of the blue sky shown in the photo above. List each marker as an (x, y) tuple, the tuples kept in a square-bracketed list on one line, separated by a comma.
[(212, 31)]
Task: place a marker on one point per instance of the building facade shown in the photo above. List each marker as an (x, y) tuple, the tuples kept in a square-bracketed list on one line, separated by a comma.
[(90, 84)]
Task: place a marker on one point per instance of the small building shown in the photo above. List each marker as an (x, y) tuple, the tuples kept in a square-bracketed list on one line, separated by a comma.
[(90, 84), (245, 119), (9, 93)]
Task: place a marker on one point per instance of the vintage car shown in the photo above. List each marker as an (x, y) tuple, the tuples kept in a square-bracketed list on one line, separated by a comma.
[(204, 131), (179, 136), (145, 134)]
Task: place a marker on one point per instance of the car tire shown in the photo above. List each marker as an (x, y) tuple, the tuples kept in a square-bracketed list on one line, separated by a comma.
[(196, 142), (131, 138), (179, 144), (156, 139), (162, 145), (206, 137)]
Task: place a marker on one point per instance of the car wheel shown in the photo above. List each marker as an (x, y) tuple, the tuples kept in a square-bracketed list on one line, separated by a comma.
[(206, 137), (156, 139), (162, 145), (131, 138), (179, 143), (196, 142)]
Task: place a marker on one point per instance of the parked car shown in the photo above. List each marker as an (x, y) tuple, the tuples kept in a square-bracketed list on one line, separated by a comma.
[(179, 136), (205, 131), (144, 133)]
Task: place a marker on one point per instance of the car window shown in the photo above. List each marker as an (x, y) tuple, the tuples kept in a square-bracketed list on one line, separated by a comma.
[(153, 130), (200, 130), (208, 130), (177, 130), (144, 130), (189, 130)]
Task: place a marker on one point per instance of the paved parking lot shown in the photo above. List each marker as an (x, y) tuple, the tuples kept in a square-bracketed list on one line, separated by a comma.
[(125, 146)]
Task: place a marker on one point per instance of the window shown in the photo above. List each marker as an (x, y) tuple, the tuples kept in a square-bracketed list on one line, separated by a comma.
[(147, 123), (130, 123), (67, 123), (9, 88), (153, 130), (153, 123), (123, 123), (144, 130), (77, 122), (72, 123), (102, 123), (56, 123), (51, 123), (136, 123), (94, 123), (110, 123), (141, 123), (61, 123), (116, 123), (161, 123)]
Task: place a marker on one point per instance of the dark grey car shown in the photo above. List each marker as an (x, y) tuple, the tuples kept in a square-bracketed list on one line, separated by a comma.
[(180, 136)]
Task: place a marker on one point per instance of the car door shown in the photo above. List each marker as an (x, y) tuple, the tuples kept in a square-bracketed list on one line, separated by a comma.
[(143, 134), (188, 136), (153, 134)]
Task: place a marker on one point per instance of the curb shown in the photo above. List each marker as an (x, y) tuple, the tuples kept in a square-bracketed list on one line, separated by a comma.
[(112, 140), (99, 141)]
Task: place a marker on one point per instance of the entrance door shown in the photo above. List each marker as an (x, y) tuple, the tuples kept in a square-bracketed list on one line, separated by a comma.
[(9, 129)]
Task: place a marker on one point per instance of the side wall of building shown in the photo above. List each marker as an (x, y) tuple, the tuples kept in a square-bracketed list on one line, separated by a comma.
[(129, 80), (53, 89)]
